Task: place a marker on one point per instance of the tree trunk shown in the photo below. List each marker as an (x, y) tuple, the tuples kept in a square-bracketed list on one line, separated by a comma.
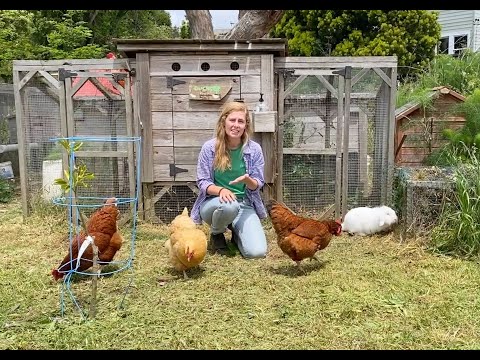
[(200, 22), (241, 13), (254, 24)]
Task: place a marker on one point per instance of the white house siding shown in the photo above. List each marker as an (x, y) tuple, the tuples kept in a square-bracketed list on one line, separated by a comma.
[(476, 30), (457, 22)]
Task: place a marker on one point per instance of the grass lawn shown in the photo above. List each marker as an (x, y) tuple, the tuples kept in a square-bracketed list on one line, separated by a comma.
[(366, 293)]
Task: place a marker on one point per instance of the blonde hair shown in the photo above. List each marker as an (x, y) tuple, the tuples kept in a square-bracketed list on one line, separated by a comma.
[(222, 159)]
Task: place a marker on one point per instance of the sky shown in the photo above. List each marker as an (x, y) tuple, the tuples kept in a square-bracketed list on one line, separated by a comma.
[(221, 19)]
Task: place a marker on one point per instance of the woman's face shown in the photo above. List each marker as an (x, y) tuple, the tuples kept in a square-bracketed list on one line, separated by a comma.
[(235, 124)]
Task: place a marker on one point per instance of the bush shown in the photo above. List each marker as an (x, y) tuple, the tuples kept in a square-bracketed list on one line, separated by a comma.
[(458, 232), (6, 190)]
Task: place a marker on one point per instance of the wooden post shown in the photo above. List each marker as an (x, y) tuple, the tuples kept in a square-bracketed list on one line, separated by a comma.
[(346, 134), (339, 147), (266, 87), (391, 134), (281, 126), (22, 156), (143, 88)]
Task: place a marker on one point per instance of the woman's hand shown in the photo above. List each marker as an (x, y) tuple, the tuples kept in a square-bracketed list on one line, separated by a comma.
[(226, 195), (247, 180), (240, 179)]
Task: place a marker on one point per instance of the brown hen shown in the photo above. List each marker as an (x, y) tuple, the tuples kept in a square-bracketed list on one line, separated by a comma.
[(300, 237), (102, 226)]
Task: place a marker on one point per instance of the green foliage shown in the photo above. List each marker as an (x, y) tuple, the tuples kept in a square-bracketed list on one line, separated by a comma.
[(458, 232), (73, 34), (6, 190), (80, 174), (185, 31), (458, 73), (411, 35), (464, 140), (16, 28)]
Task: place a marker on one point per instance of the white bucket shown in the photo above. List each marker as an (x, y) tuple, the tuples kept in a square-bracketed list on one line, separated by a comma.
[(6, 171), (52, 169)]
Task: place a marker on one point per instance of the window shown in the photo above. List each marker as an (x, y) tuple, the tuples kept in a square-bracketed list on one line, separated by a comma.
[(443, 45), (453, 44), (460, 44)]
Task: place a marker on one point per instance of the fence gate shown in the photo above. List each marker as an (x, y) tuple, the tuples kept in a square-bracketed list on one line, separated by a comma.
[(81, 98), (335, 138)]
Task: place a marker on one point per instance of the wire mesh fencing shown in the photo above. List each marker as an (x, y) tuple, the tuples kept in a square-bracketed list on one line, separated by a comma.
[(313, 141)]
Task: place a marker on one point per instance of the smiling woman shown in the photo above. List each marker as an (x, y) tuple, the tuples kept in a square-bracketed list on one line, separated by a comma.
[(229, 177)]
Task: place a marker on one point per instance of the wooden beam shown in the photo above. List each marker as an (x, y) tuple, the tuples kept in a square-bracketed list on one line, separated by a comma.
[(54, 82), (383, 76), (107, 93), (145, 114), (360, 75), (22, 157), (293, 86), (26, 79), (329, 86)]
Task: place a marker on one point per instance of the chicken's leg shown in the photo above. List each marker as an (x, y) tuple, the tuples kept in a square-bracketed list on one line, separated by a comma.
[(299, 267), (185, 275)]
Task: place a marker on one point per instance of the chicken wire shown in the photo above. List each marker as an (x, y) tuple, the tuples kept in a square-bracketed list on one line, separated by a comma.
[(84, 201), (310, 143), (172, 201), (420, 195), (93, 114), (41, 115)]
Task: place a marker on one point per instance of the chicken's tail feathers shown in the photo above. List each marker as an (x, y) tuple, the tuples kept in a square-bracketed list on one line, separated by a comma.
[(185, 211)]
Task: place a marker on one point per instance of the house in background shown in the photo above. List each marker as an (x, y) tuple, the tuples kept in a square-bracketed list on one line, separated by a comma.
[(460, 30)]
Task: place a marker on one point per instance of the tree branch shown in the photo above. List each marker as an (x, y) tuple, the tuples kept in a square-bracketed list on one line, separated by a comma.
[(254, 24), (200, 22)]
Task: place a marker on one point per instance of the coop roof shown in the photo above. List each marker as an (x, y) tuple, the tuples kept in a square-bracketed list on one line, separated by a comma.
[(129, 47), (407, 109)]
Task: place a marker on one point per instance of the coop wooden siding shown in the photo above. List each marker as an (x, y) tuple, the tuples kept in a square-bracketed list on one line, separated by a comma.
[(415, 149), (181, 125), (191, 65), (455, 20)]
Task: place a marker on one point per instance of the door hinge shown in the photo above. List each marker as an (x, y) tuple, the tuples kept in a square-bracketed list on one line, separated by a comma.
[(64, 74), (346, 72), (174, 170), (285, 72), (119, 76), (171, 82)]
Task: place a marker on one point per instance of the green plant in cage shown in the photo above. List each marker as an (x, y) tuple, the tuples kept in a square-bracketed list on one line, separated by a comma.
[(6, 190), (80, 174)]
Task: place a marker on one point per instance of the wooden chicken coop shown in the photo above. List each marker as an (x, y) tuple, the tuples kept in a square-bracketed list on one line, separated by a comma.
[(327, 133), (418, 129), (180, 88)]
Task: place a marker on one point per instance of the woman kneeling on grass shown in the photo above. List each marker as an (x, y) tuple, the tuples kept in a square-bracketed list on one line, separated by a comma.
[(229, 177)]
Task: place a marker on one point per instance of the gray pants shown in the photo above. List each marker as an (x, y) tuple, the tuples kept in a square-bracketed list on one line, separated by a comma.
[(248, 229)]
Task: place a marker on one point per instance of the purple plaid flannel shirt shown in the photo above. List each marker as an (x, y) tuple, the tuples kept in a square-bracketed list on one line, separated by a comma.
[(254, 164)]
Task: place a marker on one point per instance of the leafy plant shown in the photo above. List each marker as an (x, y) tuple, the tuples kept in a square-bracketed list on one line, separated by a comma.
[(411, 35), (6, 190), (462, 141), (80, 174), (458, 232)]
